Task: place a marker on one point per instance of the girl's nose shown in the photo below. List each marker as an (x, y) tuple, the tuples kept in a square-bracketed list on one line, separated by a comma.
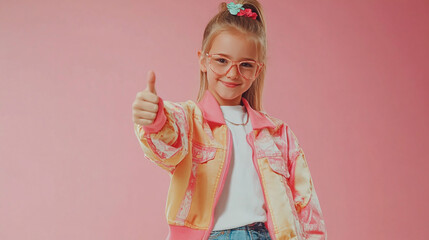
[(233, 72)]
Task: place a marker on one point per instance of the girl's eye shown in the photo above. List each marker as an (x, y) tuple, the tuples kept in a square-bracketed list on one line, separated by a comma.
[(221, 60), (247, 64)]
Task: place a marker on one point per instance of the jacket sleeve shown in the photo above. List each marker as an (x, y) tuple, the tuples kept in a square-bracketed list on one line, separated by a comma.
[(305, 198), (165, 141)]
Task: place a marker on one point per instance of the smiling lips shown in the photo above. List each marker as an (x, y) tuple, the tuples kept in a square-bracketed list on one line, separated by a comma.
[(231, 85)]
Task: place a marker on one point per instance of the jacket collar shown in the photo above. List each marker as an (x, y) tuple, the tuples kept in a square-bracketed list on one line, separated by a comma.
[(212, 112)]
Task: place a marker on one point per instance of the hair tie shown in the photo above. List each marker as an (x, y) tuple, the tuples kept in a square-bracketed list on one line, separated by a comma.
[(239, 10)]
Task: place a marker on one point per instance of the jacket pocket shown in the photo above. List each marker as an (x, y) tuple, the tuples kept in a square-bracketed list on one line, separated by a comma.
[(266, 148), (278, 165), (202, 153)]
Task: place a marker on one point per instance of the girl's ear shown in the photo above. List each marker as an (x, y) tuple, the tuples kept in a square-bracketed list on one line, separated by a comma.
[(202, 61)]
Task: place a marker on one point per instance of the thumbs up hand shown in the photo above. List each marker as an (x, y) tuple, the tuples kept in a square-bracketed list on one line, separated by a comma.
[(145, 106)]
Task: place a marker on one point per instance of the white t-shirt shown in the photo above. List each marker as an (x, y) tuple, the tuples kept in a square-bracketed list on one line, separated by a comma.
[(241, 201)]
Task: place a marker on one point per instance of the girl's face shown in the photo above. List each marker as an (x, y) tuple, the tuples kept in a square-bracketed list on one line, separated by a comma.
[(228, 88)]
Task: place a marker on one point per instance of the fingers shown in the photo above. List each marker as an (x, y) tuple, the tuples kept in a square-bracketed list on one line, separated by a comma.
[(146, 106), (147, 96), (144, 113), (143, 122), (150, 82), (144, 118)]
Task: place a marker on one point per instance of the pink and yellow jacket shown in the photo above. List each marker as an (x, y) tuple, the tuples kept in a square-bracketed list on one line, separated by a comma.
[(192, 142)]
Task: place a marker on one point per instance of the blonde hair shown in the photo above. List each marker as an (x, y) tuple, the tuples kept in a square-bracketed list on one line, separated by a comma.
[(225, 21)]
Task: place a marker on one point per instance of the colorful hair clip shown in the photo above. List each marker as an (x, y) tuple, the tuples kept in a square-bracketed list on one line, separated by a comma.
[(234, 8), (247, 13), (238, 10)]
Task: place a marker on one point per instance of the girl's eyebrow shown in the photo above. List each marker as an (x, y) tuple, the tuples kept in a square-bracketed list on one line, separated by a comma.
[(226, 55)]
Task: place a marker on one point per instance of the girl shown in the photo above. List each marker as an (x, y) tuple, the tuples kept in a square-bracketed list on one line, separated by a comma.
[(236, 172)]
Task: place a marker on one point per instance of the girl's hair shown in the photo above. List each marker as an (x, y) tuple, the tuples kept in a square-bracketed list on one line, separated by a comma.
[(256, 29)]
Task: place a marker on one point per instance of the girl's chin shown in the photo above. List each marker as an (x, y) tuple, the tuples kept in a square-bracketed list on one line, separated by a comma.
[(231, 100)]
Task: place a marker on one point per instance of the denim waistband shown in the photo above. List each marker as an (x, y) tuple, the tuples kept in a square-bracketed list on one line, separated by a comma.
[(252, 226)]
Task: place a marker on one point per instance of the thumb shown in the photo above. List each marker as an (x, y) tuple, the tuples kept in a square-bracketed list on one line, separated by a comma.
[(151, 82)]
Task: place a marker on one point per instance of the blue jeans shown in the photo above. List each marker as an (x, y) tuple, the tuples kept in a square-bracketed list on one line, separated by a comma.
[(254, 231)]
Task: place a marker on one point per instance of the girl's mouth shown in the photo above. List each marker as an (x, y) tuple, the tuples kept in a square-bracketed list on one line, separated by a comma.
[(231, 85)]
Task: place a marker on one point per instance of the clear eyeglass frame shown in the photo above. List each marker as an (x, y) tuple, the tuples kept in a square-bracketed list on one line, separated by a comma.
[(238, 63)]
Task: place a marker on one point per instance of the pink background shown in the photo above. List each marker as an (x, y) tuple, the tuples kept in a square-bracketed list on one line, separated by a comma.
[(349, 77)]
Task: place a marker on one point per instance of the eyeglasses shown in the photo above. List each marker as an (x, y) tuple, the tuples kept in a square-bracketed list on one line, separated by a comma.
[(221, 65)]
